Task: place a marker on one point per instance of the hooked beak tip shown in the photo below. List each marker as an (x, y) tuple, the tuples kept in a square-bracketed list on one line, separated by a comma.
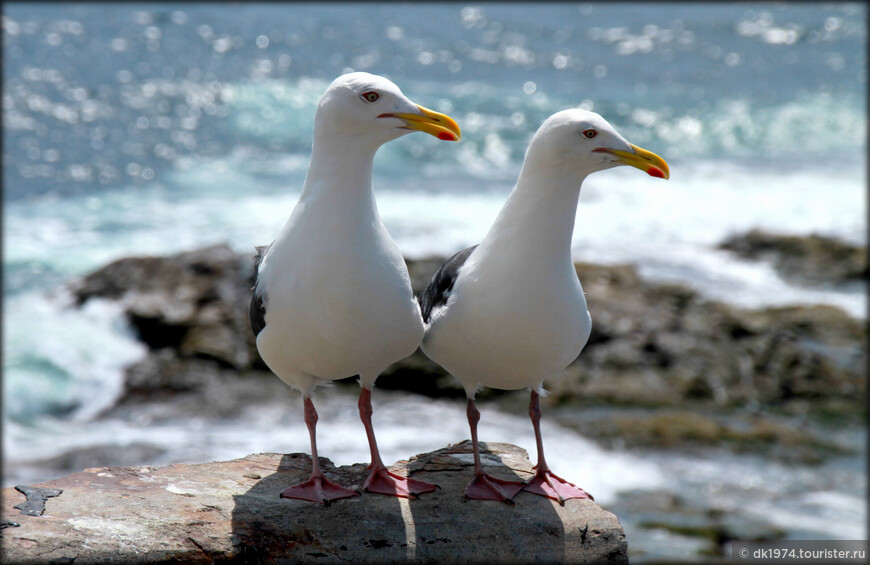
[(428, 121)]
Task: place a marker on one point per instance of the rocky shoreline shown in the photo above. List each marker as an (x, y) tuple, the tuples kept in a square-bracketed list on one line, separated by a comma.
[(811, 260), (653, 345), (694, 371), (666, 371)]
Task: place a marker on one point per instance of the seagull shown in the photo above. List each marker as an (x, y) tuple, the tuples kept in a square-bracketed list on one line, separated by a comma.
[(333, 298), (510, 312)]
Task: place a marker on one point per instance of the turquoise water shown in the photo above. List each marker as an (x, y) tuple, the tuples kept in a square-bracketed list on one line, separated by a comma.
[(157, 128)]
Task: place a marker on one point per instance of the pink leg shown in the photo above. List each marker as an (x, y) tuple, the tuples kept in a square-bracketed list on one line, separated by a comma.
[(381, 480), (545, 483), (317, 488), (483, 486)]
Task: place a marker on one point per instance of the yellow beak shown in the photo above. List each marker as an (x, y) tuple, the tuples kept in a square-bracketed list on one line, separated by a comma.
[(642, 159), (440, 125)]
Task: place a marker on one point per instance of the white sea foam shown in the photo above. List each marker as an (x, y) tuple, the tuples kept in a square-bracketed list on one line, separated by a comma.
[(405, 424), (59, 358), (670, 229), (812, 503)]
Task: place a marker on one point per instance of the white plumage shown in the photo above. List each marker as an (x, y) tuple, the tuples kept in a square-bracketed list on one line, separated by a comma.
[(333, 297), (510, 313), (517, 313), (338, 296)]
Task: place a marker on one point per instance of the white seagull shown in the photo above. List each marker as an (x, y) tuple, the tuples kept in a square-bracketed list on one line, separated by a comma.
[(333, 297), (510, 312)]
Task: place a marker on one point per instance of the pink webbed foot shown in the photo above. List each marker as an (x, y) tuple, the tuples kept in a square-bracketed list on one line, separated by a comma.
[(382, 481), (486, 487), (545, 483), (318, 489)]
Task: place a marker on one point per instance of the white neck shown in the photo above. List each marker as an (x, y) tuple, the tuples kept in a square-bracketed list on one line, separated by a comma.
[(340, 176), (536, 224)]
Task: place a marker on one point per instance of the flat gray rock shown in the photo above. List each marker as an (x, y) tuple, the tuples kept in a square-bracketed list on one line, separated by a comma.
[(231, 511)]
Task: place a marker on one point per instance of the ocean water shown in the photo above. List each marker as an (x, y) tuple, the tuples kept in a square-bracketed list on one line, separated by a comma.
[(156, 128)]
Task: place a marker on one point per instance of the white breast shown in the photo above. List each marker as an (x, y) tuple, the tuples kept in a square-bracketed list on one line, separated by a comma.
[(338, 301), (509, 328)]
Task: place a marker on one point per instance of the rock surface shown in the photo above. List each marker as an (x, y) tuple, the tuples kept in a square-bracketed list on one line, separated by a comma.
[(813, 260), (664, 345), (231, 511), (195, 303), (777, 437)]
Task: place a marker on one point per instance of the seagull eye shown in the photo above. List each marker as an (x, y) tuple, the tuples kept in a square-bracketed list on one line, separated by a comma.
[(370, 96), (590, 133)]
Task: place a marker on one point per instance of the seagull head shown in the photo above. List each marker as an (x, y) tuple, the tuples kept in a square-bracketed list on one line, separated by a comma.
[(373, 109), (582, 142)]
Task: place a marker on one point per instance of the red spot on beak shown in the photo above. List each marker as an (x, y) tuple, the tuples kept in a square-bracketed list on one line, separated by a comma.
[(446, 136), (656, 172)]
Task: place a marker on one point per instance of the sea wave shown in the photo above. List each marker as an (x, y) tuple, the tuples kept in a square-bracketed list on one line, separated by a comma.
[(50, 361), (496, 127), (671, 230)]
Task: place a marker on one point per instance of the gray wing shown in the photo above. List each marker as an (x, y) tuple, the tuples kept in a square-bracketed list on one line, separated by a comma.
[(438, 289), (257, 311)]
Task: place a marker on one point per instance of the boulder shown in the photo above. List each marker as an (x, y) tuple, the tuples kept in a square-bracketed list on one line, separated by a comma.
[(663, 345), (779, 438), (194, 303), (814, 259), (231, 511)]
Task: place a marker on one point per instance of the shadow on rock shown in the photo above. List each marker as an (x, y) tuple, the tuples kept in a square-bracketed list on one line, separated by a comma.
[(440, 526), (266, 527)]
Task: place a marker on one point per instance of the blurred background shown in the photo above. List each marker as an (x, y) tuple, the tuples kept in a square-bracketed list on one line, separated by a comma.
[(155, 129)]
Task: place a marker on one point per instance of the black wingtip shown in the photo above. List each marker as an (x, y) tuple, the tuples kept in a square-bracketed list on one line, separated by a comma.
[(438, 289), (257, 309)]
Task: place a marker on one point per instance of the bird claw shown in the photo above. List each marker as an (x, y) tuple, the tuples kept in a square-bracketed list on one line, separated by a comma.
[(382, 481), (545, 483), (486, 487), (318, 489)]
